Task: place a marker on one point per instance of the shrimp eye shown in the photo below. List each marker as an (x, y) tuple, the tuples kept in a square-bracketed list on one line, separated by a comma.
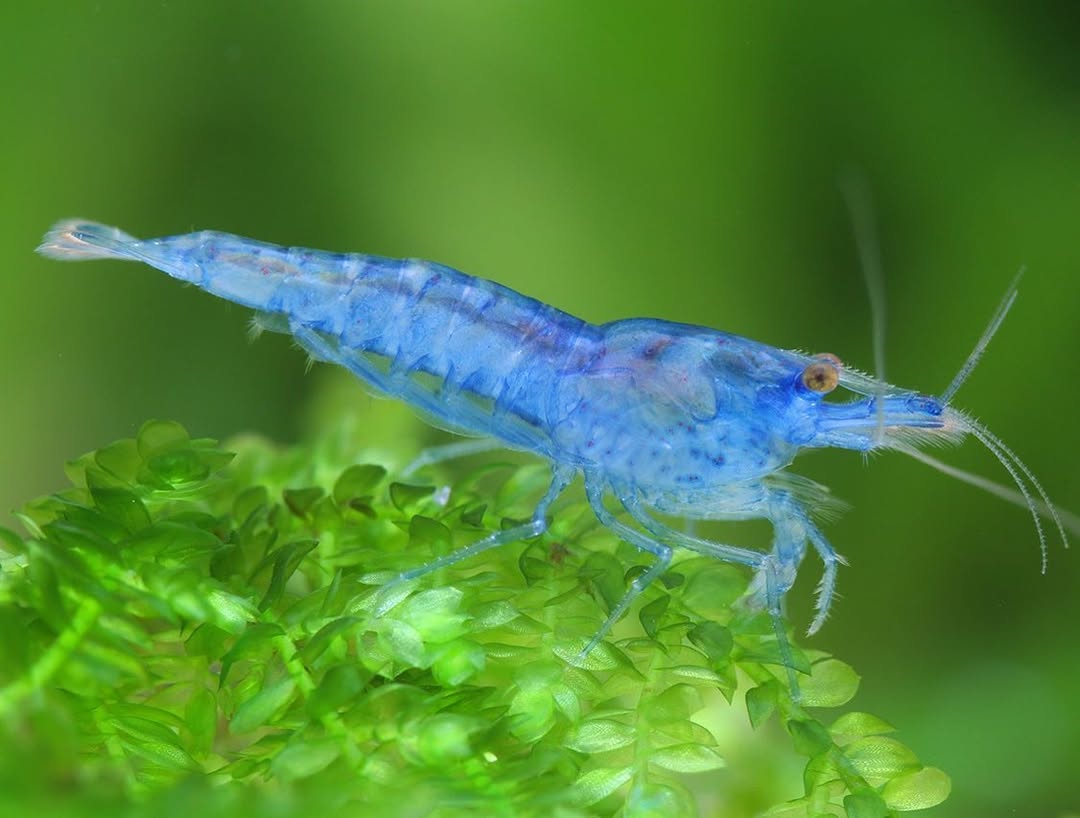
[(821, 376)]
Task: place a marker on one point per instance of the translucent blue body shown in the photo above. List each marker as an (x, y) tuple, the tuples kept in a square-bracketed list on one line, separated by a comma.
[(664, 417)]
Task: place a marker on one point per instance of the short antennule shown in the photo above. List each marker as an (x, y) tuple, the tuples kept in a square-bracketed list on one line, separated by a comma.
[(980, 347)]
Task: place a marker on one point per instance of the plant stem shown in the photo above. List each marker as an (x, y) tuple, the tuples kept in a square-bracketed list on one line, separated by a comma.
[(52, 659)]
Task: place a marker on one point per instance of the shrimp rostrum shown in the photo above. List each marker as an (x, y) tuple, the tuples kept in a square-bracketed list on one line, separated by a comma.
[(661, 419)]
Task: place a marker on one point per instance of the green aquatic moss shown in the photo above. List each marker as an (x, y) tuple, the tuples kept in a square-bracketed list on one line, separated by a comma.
[(189, 628)]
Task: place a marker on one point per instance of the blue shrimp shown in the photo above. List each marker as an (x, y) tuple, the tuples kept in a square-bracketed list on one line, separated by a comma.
[(666, 418)]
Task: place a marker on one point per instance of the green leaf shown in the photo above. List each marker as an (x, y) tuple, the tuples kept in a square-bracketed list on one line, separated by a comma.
[(711, 590), (473, 515), (444, 738), (486, 616), (11, 542), (676, 703), (165, 754), (340, 685), (434, 613), (603, 657), (532, 711), (851, 726), (651, 799), (230, 612), (650, 614), (820, 771), (714, 639), (286, 559), (305, 758), (155, 742), (687, 758), (175, 467), (429, 535), (865, 804), (831, 683), (607, 577), (157, 435), (402, 641), (249, 501), (518, 493), (799, 808), (600, 735), (257, 641), (567, 701), (811, 738), (458, 662), (215, 459), (122, 506), (172, 543), (206, 640), (109, 665), (405, 496), (200, 719), (80, 538), (357, 481), (921, 789), (301, 501), (880, 758), (598, 784), (317, 644), (693, 674), (145, 720), (263, 707), (684, 732), (120, 459), (761, 702)]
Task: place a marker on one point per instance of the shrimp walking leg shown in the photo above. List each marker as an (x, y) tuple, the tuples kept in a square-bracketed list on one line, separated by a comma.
[(727, 553), (767, 567), (594, 490), (561, 477), (792, 530), (451, 451), (826, 588), (396, 589), (323, 348)]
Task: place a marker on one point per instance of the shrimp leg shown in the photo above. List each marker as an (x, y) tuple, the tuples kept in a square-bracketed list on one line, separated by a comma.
[(768, 569), (561, 477), (826, 587), (727, 553), (792, 529), (322, 348), (392, 592), (594, 491), (450, 451)]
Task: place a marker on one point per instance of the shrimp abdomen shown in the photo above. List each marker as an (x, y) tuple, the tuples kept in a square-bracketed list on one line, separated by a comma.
[(473, 354)]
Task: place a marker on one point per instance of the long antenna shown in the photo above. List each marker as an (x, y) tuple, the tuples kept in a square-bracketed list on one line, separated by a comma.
[(1070, 521), (860, 205), (991, 328)]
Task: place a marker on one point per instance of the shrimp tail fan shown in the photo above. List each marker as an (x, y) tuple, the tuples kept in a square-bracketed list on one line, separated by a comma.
[(79, 240)]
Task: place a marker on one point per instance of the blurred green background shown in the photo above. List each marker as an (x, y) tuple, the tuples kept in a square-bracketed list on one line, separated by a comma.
[(614, 159)]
